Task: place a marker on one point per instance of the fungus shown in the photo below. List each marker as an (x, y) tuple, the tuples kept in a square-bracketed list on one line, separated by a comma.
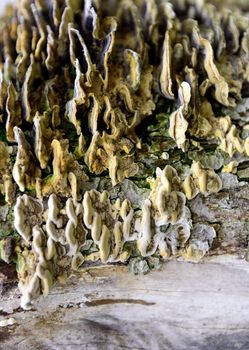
[(25, 170), (27, 213), (202, 180), (145, 229), (34, 273), (98, 217), (64, 166), (178, 121), (78, 99), (54, 220), (167, 200), (14, 112), (104, 106), (165, 76), (6, 183), (43, 135), (200, 242)]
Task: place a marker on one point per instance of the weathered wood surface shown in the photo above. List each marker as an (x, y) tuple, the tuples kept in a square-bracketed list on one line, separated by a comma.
[(182, 306)]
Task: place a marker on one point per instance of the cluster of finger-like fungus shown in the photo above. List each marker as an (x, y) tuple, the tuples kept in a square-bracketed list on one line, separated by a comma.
[(93, 92)]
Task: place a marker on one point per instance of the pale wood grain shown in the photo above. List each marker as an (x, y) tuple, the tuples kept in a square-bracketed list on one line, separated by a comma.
[(183, 306)]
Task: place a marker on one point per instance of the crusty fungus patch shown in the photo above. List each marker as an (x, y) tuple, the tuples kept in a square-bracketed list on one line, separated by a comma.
[(114, 116)]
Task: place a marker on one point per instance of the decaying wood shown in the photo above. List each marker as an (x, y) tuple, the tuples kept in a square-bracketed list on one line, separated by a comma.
[(183, 306)]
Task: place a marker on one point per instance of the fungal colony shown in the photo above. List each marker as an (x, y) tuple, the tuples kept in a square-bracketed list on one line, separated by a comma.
[(114, 116)]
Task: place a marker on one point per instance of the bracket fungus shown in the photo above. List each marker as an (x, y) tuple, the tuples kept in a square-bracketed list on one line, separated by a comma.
[(178, 119), (202, 180), (7, 187), (95, 95)]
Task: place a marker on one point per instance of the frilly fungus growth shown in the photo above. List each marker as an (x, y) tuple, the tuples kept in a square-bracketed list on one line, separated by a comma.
[(93, 92)]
